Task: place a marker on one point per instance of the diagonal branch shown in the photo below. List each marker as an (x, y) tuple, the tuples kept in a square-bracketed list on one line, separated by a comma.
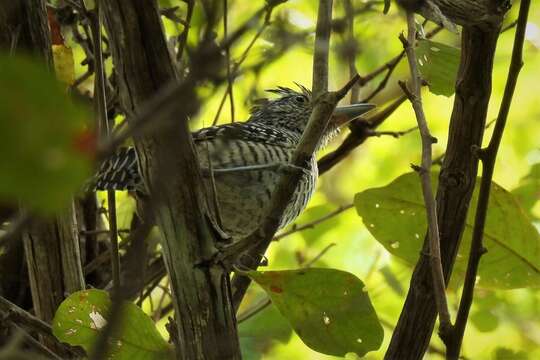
[(325, 102)]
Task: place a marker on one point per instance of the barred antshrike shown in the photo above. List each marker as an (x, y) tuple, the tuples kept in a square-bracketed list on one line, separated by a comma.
[(246, 158)]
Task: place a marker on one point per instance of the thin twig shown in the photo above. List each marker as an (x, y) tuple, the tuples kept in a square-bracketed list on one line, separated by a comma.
[(312, 224), (102, 346), (17, 316), (36, 344), (100, 104), (351, 48), (415, 96), (182, 38), (236, 66), (395, 134), (488, 157), (115, 258), (156, 313)]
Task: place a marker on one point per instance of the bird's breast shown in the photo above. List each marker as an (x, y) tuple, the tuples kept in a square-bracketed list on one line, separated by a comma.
[(246, 175)]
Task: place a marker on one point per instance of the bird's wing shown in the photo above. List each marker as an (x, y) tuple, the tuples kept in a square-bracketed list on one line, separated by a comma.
[(118, 172), (243, 145), (252, 132)]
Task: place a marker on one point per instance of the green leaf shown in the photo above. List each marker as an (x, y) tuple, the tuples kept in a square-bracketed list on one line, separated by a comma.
[(47, 150), (267, 324), (484, 320), (395, 216), (80, 317), (528, 191), (438, 64), (329, 309), (259, 332), (502, 353)]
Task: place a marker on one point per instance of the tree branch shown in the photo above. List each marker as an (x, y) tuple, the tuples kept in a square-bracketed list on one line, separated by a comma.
[(482, 13), (456, 183), (12, 313), (205, 323), (488, 157), (415, 97)]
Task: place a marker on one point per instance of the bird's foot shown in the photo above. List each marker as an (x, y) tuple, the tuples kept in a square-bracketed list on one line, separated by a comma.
[(229, 256)]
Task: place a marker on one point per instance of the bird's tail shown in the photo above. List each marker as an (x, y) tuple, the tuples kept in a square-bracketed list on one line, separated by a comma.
[(119, 172)]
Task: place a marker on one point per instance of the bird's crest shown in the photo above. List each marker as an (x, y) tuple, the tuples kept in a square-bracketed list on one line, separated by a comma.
[(261, 103)]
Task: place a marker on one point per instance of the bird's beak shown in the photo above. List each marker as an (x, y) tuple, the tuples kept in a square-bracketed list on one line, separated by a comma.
[(343, 114)]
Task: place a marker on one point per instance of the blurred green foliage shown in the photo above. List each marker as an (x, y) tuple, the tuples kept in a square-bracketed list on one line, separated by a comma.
[(47, 149)]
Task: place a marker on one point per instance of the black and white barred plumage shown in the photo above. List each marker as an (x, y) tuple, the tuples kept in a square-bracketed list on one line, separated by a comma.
[(265, 142)]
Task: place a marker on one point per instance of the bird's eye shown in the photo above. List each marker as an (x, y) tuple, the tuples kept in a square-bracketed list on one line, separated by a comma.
[(300, 99)]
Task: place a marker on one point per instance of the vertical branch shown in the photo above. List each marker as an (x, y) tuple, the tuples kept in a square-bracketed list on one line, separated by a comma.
[(351, 49), (102, 122), (415, 96), (322, 46), (414, 329), (488, 157), (182, 38), (205, 325), (230, 80)]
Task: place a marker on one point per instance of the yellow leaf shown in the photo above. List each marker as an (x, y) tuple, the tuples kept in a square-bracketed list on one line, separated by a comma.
[(64, 64)]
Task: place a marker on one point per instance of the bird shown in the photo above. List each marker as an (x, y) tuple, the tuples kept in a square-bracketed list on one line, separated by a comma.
[(244, 160)]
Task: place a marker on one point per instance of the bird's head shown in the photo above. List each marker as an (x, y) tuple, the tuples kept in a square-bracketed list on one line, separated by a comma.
[(291, 111)]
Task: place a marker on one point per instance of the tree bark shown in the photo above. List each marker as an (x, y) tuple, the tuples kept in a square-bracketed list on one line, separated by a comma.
[(205, 318), (24, 27), (456, 183), (54, 262)]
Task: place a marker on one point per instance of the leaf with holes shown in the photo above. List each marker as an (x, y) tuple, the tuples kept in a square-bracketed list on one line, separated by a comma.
[(47, 149), (395, 216), (80, 317), (329, 309), (438, 63)]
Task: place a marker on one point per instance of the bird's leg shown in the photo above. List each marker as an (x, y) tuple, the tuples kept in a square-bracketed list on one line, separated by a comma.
[(230, 255)]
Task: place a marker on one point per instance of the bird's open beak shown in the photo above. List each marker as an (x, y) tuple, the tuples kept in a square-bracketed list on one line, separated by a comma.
[(344, 114)]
